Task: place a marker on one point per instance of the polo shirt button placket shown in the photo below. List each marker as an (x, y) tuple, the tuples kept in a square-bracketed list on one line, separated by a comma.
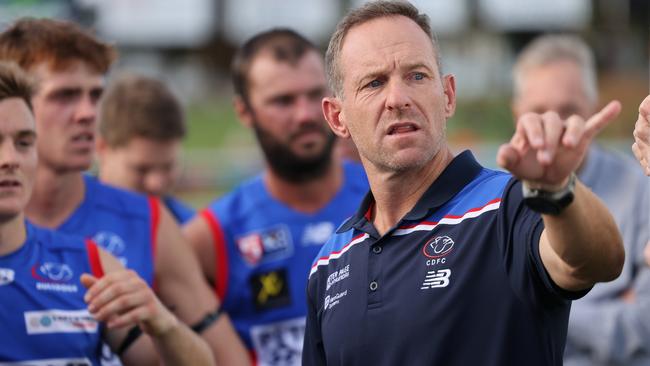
[(374, 273)]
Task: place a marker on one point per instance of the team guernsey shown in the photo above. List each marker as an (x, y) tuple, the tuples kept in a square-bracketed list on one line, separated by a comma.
[(264, 251), (458, 281), (122, 222), (44, 319), (180, 210)]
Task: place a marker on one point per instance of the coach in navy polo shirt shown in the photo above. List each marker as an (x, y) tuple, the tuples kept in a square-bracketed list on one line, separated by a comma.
[(446, 262)]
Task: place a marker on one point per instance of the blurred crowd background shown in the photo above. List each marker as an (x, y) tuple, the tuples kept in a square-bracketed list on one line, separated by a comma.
[(189, 44)]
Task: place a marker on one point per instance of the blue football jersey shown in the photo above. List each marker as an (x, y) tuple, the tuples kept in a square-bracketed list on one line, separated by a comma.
[(124, 223), (44, 318), (264, 252), (179, 209)]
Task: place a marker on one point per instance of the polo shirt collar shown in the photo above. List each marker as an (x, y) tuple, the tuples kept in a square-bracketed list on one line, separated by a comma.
[(459, 173)]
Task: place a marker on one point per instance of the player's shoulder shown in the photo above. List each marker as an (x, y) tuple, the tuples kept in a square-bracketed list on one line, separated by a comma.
[(488, 183), (245, 197), (54, 240), (117, 200), (336, 246), (355, 172), (181, 211)]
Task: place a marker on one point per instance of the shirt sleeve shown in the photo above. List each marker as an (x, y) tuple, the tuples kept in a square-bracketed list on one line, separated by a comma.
[(520, 230)]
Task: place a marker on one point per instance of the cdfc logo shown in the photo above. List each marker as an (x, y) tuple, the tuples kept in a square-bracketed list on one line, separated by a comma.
[(438, 247)]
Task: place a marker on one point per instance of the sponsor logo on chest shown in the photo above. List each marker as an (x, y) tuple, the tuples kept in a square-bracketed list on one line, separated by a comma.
[(318, 233), (270, 289), (436, 279), (436, 251), (52, 276), (335, 277), (6, 276), (60, 321), (113, 244), (279, 344), (266, 245), (338, 276), (333, 300)]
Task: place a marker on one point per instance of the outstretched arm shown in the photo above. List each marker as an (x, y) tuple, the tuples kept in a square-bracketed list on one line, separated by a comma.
[(122, 300), (581, 245)]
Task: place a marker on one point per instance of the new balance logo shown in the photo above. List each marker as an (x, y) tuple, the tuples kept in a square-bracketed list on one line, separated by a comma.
[(434, 279)]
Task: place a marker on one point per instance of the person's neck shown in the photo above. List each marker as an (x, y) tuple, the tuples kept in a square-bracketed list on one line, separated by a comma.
[(12, 234), (396, 193), (56, 195), (309, 196)]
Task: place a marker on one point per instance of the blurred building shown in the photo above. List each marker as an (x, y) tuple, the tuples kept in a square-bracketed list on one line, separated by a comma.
[(191, 40)]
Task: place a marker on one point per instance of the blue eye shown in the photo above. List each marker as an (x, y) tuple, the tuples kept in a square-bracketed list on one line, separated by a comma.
[(418, 76), (375, 83)]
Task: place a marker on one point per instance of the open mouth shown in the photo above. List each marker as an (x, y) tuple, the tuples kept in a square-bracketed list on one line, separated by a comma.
[(9, 183), (86, 136), (400, 128)]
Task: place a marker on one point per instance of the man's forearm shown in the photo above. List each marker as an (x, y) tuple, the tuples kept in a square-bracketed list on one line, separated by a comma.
[(181, 346), (586, 240)]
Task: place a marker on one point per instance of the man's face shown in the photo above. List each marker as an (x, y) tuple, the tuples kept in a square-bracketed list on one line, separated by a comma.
[(142, 165), (395, 104), (285, 112), (558, 87), (65, 109), (17, 156)]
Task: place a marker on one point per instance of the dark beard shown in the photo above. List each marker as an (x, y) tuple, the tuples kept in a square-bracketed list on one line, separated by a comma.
[(288, 165)]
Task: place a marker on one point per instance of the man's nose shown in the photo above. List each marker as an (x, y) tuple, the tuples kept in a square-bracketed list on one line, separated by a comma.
[(397, 97), (86, 109), (8, 156), (308, 110)]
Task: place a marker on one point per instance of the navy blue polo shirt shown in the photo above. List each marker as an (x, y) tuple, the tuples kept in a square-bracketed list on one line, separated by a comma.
[(458, 281)]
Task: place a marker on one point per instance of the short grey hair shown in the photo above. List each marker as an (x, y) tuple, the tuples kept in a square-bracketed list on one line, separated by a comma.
[(549, 49), (369, 11)]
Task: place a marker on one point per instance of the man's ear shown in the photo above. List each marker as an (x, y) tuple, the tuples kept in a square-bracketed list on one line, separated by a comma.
[(243, 112), (335, 116), (449, 84)]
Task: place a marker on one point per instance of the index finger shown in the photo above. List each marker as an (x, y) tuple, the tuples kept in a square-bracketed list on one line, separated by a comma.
[(102, 284), (601, 119), (644, 108)]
